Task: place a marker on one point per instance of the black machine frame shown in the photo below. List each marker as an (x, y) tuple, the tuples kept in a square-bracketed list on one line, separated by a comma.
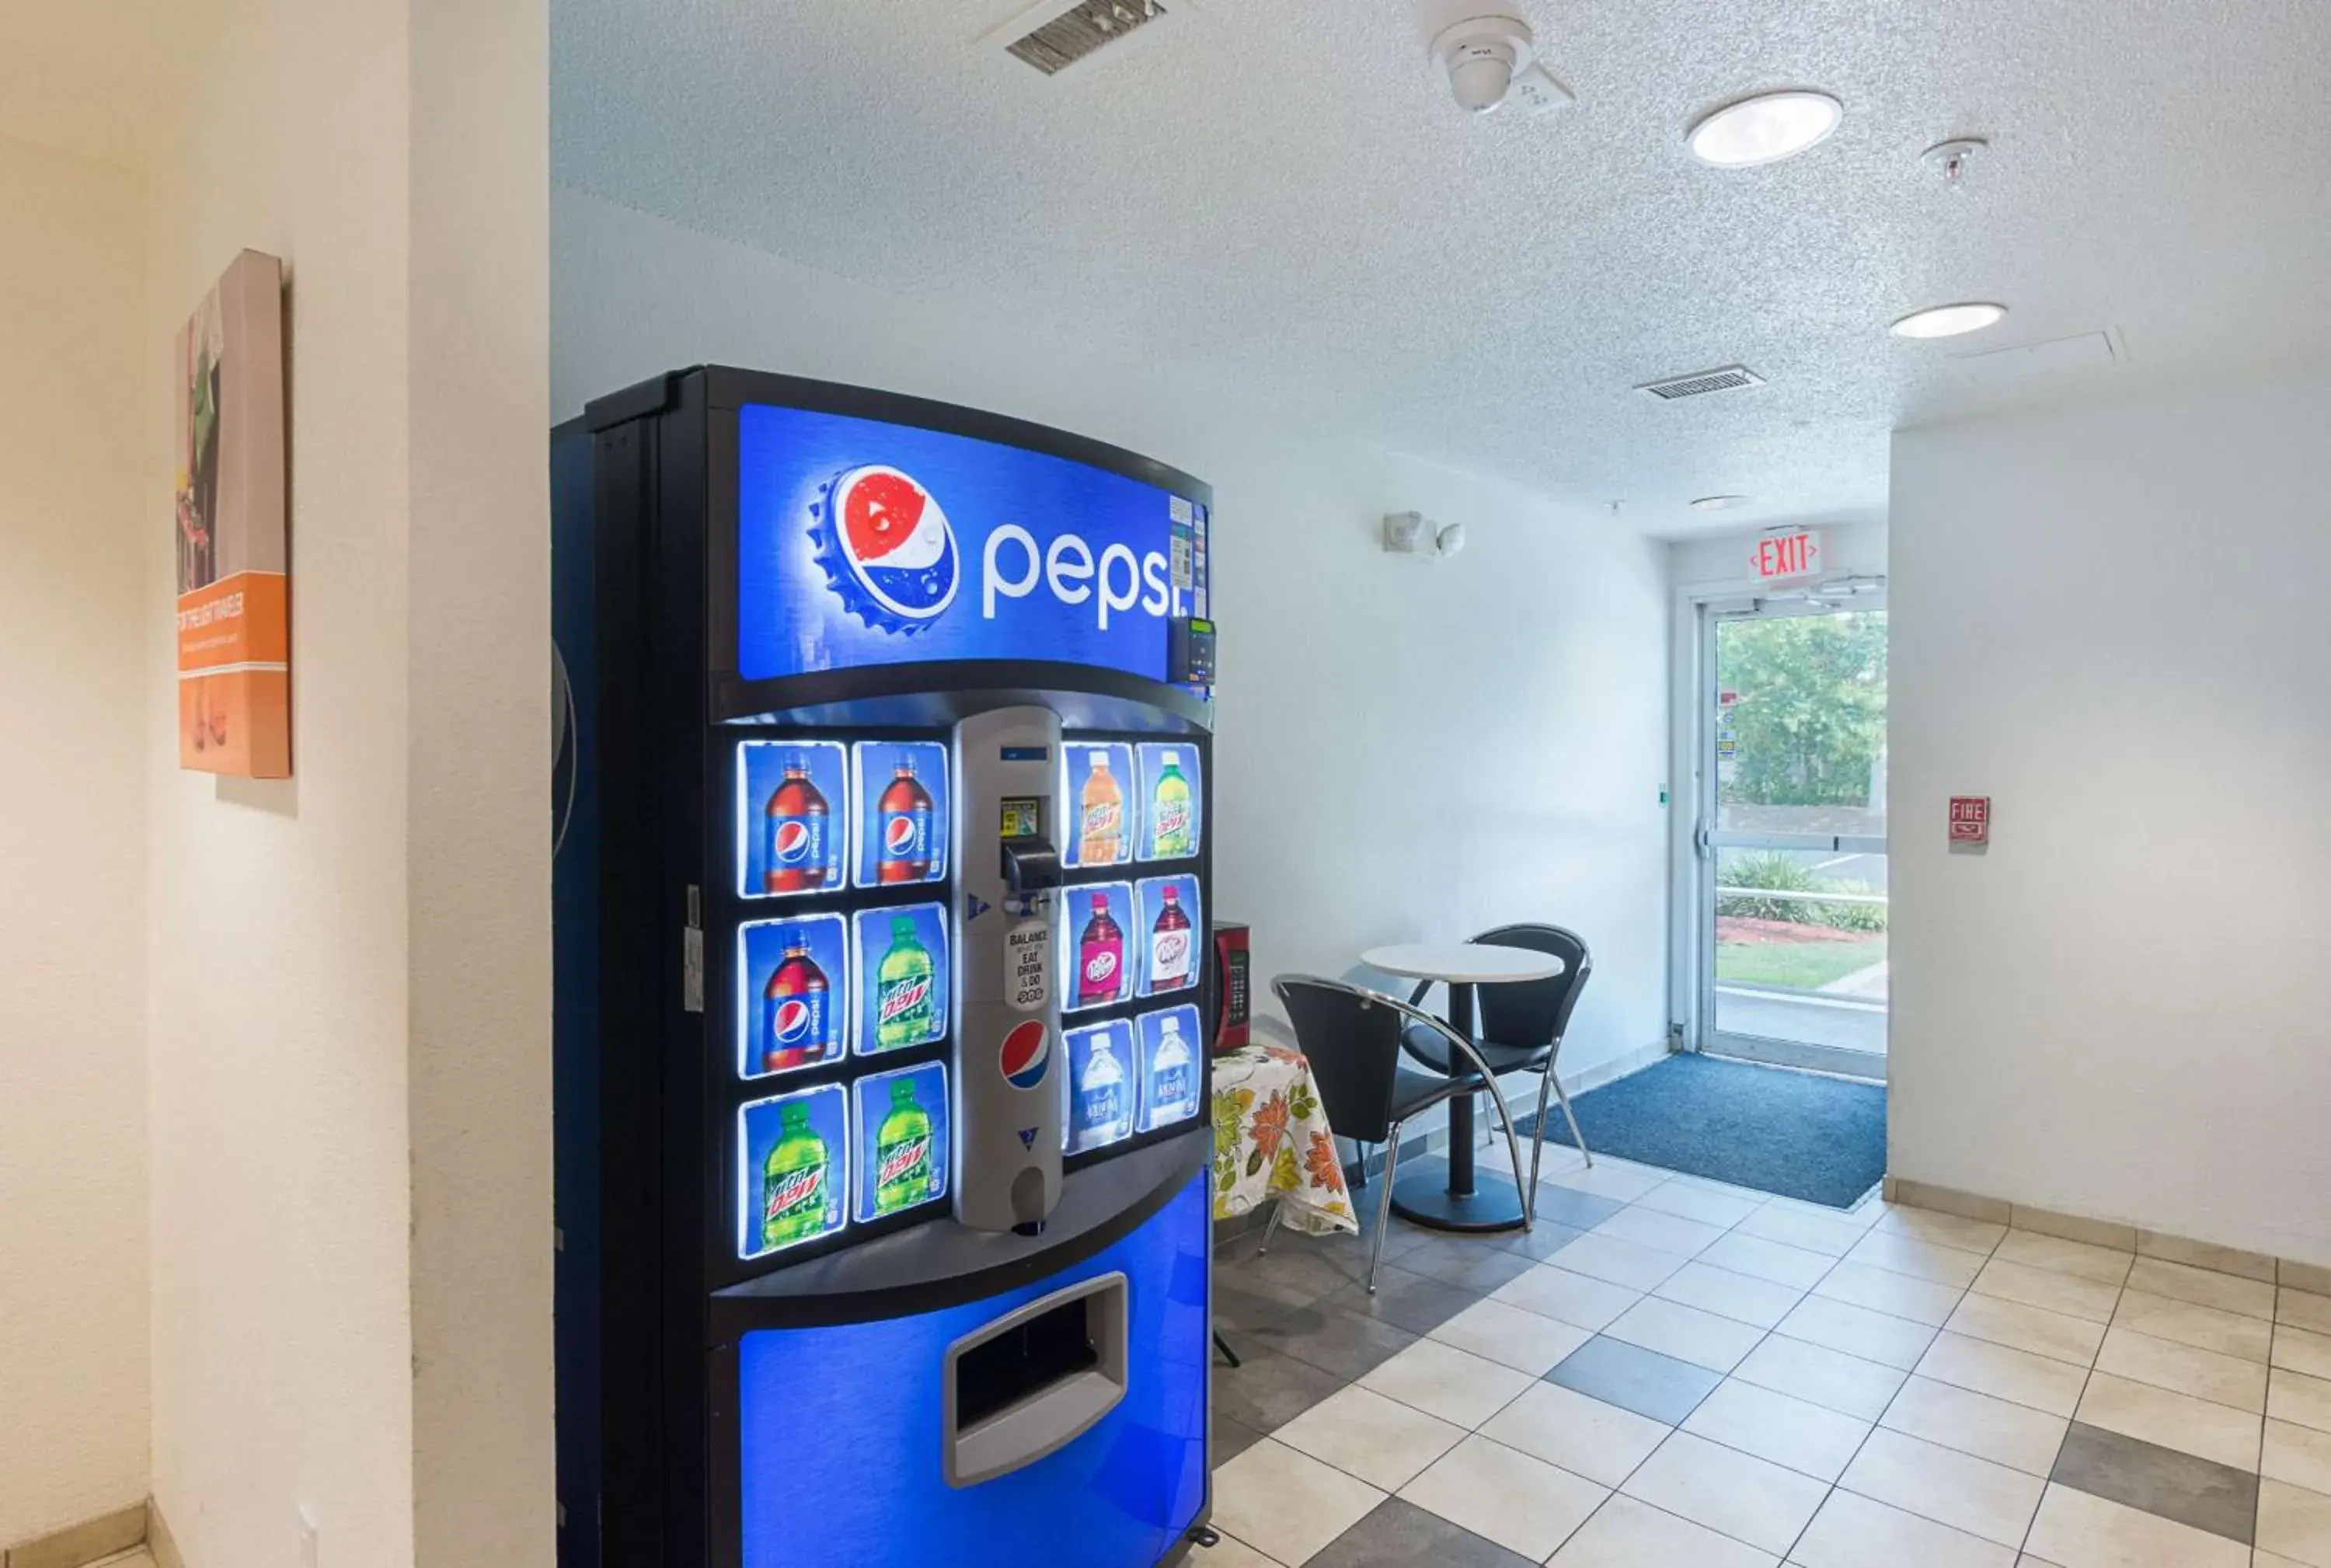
[(670, 712)]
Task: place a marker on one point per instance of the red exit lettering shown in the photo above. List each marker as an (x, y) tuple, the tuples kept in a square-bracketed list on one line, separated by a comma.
[(1797, 555)]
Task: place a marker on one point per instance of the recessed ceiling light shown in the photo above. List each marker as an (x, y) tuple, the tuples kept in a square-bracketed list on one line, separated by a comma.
[(1764, 129), (1949, 320), (1718, 503)]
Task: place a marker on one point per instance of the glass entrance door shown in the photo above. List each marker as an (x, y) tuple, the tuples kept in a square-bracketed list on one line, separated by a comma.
[(1792, 833)]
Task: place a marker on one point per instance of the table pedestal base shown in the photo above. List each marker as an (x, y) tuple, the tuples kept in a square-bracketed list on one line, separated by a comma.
[(1425, 1199)]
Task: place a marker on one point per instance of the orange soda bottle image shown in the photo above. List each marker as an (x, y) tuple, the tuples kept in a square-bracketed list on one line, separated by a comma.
[(1100, 831)]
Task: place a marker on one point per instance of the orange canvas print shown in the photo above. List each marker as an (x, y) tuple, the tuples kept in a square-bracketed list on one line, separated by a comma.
[(234, 609)]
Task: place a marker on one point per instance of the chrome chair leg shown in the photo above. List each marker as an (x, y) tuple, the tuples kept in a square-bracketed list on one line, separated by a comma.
[(1514, 1149), (1575, 1135), (1383, 1206), (1538, 1133), (1277, 1207)]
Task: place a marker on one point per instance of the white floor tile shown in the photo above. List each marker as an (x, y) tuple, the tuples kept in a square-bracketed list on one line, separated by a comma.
[(2295, 1522), (1827, 1378), (1583, 1435), (1229, 1552), (1856, 1532), (2188, 1323), (1773, 1260), (1740, 1296), (2170, 1420), (2065, 1292), (2015, 1375), (1512, 1337), (1897, 1342), (2299, 1456), (1696, 1201), (1573, 1298), (1503, 1495), (1944, 1229), (1627, 1533), (1649, 1227), (1620, 1261), (1606, 1179), (1736, 1494), (1286, 1504), (2205, 1287), (2033, 1328), (1789, 1431), (1381, 1441), (1686, 1332), (2307, 1311), (1896, 1295), (2103, 1264), (2014, 1435), (1942, 1484), (2164, 1364), (2302, 1351), (1793, 1227), (2293, 1396), (1443, 1381), (1891, 1249), (2076, 1530)]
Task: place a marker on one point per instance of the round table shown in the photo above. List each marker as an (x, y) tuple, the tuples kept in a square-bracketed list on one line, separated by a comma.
[(1462, 1205)]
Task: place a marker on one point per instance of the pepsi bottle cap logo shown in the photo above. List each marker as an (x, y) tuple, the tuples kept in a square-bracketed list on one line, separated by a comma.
[(793, 1020), (888, 549), (1027, 1054), (792, 841), (899, 835)]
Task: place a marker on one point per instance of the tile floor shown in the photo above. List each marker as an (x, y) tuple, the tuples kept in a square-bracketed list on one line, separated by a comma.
[(1669, 1373)]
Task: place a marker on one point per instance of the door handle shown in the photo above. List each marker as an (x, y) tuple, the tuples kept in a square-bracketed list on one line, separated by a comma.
[(1699, 838)]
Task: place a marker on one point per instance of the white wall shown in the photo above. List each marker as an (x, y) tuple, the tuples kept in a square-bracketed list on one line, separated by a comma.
[(1405, 751), (349, 1006), (2112, 622), (72, 841)]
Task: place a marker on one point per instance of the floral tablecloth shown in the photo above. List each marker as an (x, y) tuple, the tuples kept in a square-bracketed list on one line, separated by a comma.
[(1271, 1139)]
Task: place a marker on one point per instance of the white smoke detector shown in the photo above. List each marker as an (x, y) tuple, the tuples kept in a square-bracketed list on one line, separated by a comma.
[(1481, 57)]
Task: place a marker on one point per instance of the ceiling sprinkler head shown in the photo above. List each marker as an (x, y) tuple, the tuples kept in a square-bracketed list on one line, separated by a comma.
[(1950, 158)]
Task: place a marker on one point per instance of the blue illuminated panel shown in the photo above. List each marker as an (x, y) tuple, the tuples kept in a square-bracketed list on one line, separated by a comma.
[(841, 1438), (865, 543)]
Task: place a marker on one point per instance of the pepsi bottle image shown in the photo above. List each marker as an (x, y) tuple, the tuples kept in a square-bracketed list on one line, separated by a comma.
[(796, 1025), (796, 819), (1104, 1110), (904, 813), (1171, 947), (1101, 958), (1173, 1077)]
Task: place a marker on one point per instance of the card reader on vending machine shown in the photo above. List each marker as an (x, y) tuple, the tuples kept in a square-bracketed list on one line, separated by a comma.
[(1007, 1025)]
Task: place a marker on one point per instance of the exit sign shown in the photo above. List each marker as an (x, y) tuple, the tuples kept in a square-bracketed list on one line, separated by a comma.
[(1791, 555)]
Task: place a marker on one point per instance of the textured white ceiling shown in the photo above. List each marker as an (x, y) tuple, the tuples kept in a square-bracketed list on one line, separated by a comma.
[(1275, 201)]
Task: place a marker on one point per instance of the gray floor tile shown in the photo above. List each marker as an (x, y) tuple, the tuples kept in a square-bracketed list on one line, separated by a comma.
[(2161, 1481), (1295, 1268), (1405, 1300), (1542, 1240), (1232, 1438), (1237, 1307), (1568, 1206), (1468, 1262), (1268, 1390), (1633, 1378), (1400, 1534), (1344, 1343)]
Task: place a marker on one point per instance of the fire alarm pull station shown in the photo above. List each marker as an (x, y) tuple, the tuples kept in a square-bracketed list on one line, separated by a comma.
[(1970, 820)]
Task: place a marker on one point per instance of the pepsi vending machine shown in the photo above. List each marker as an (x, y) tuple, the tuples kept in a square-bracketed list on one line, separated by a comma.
[(882, 879)]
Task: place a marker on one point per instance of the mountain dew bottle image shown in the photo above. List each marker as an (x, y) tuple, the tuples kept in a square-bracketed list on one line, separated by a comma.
[(906, 991), (1171, 817), (903, 1172), (795, 1189)]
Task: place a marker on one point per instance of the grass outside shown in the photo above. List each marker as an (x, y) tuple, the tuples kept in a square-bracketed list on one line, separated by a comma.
[(1797, 965)]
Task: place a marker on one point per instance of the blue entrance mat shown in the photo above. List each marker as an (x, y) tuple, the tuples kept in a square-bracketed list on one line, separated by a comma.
[(1794, 1133)]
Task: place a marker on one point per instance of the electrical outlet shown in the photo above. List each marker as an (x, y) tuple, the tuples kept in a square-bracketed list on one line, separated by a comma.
[(310, 1546)]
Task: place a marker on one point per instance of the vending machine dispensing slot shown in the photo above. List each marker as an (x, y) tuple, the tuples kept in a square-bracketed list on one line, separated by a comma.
[(1033, 1380)]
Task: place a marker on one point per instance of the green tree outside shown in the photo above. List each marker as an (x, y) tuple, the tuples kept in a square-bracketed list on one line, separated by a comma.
[(1811, 722)]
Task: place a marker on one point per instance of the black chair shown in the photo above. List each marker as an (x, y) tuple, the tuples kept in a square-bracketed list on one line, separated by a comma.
[(1520, 1027), (1353, 1038)]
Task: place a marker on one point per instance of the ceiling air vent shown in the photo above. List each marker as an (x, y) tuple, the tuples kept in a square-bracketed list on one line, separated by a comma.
[(1083, 29), (1722, 379)]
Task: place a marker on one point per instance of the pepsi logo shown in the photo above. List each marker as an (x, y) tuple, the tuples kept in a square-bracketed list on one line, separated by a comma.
[(792, 841), (1027, 1054), (897, 544), (794, 1020), (898, 836)]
